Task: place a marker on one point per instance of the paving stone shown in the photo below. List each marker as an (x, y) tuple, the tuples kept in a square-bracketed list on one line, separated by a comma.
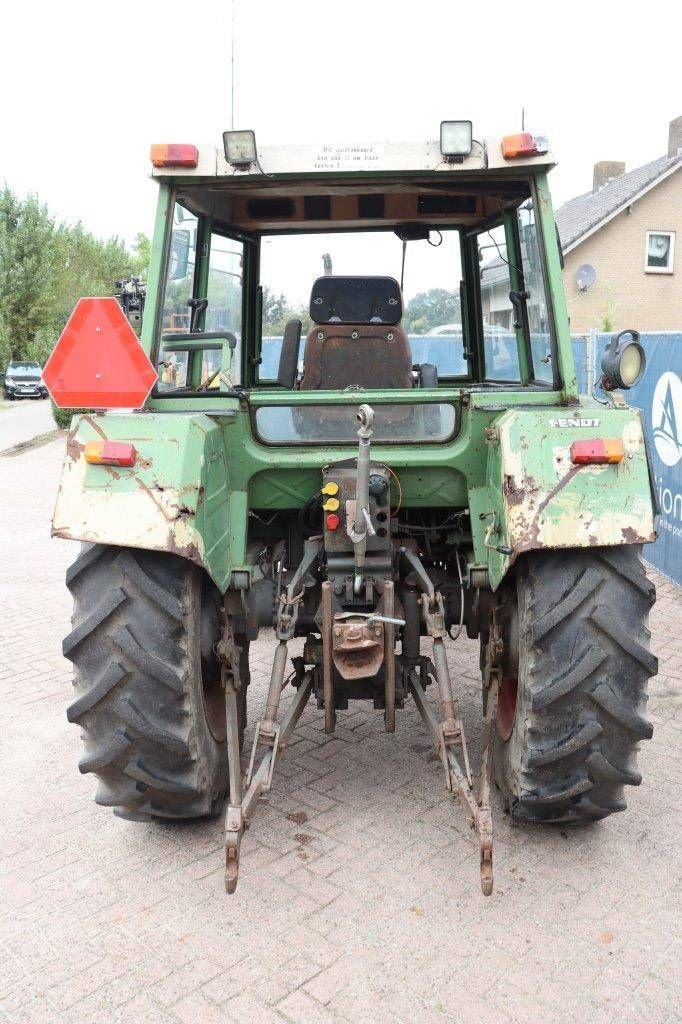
[(358, 898)]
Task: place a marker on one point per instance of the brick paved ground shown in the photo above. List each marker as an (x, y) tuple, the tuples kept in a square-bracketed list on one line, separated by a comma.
[(359, 899)]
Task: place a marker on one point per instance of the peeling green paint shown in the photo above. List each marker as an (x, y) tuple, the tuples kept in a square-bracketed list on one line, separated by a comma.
[(196, 479)]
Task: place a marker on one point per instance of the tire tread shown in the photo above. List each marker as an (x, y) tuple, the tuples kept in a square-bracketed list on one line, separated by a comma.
[(137, 697), (584, 636)]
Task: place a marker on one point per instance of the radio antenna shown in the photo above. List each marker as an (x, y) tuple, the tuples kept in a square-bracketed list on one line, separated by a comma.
[(232, 68)]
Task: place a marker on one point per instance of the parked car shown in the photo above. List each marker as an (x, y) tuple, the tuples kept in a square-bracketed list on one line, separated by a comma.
[(24, 380), (445, 329)]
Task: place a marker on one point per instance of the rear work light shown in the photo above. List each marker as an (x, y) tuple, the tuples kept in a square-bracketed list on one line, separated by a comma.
[(455, 140), (110, 453), (597, 452), (523, 144), (240, 148), (174, 154), (624, 362)]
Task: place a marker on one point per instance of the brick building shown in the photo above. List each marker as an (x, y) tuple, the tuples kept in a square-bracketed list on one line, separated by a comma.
[(621, 268), (626, 230)]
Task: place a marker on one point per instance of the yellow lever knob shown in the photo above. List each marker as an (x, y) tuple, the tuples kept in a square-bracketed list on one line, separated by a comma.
[(330, 488), (331, 504)]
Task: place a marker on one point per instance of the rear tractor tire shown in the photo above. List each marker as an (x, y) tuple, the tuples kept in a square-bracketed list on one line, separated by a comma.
[(148, 694), (570, 722)]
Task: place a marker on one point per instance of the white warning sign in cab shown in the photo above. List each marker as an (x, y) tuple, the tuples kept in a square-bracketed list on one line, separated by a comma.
[(352, 156)]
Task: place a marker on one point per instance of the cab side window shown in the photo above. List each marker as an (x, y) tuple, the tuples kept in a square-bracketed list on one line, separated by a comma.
[(536, 304), (517, 340), (175, 316), (203, 294), (224, 292), (499, 336)]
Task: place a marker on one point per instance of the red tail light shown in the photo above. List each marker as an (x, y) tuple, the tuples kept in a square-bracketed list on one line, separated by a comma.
[(174, 154), (110, 453), (597, 451), (523, 144)]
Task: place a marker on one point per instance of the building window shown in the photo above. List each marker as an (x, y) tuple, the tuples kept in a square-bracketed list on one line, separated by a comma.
[(660, 252)]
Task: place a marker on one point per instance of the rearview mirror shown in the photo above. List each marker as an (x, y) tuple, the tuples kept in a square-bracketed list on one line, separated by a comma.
[(413, 232)]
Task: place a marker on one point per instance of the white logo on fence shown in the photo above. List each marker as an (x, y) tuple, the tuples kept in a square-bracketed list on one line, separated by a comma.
[(666, 418)]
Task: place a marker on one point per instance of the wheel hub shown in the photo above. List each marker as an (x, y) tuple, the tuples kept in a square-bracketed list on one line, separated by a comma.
[(506, 707)]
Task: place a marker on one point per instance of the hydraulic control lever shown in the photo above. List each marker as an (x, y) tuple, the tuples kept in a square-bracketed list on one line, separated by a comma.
[(361, 523)]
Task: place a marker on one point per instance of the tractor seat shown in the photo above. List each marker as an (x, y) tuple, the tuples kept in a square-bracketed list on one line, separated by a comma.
[(356, 339)]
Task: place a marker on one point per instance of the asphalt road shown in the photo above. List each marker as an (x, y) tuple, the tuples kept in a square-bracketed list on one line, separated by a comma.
[(23, 420)]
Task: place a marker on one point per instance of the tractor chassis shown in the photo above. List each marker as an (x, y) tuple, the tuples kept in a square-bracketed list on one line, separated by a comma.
[(273, 735)]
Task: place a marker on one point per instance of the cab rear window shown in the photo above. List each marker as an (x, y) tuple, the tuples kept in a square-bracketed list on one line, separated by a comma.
[(401, 423)]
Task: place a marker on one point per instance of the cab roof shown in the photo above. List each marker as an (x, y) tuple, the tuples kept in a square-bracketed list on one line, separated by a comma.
[(357, 158), (355, 186)]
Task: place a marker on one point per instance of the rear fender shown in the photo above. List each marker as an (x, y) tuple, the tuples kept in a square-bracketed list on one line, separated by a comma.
[(175, 497), (535, 498)]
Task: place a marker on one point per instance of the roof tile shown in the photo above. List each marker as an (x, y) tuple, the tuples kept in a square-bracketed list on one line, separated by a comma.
[(578, 216)]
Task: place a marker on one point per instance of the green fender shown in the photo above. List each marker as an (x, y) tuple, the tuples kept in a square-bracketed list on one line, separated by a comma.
[(175, 498), (536, 498)]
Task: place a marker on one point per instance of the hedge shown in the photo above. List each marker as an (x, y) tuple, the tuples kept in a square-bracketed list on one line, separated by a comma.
[(62, 417)]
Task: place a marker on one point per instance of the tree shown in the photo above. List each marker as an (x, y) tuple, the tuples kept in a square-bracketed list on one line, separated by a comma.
[(27, 262), (83, 265), (274, 310), (142, 252), (45, 268), (430, 309), (277, 312), (224, 294)]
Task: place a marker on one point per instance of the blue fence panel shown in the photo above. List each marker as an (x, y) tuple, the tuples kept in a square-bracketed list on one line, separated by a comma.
[(659, 396), (580, 357), (270, 350), (445, 350)]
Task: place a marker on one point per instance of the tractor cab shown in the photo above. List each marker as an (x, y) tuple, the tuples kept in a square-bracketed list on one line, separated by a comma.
[(357, 425), (432, 274)]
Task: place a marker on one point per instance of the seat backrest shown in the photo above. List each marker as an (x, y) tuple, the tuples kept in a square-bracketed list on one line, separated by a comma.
[(356, 338)]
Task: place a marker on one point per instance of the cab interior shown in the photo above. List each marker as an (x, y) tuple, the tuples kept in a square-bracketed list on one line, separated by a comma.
[(355, 335)]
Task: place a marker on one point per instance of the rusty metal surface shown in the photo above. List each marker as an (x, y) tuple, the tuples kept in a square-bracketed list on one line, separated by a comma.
[(370, 355), (536, 498), (231, 682), (327, 675), (279, 664), (388, 609), (268, 730), (485, 827), (174, 499), (357, 647)]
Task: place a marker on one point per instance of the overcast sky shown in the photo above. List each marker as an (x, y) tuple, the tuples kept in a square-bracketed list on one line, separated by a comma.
[(86, 87)]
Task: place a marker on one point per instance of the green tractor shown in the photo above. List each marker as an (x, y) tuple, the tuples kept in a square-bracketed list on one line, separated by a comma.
[(311, 454)]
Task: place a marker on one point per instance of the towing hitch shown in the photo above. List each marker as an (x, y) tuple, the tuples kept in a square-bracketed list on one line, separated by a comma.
[(357, 648), (446, 731)]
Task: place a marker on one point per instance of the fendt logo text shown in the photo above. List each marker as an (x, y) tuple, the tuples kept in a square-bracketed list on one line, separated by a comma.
[(666, 418)]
